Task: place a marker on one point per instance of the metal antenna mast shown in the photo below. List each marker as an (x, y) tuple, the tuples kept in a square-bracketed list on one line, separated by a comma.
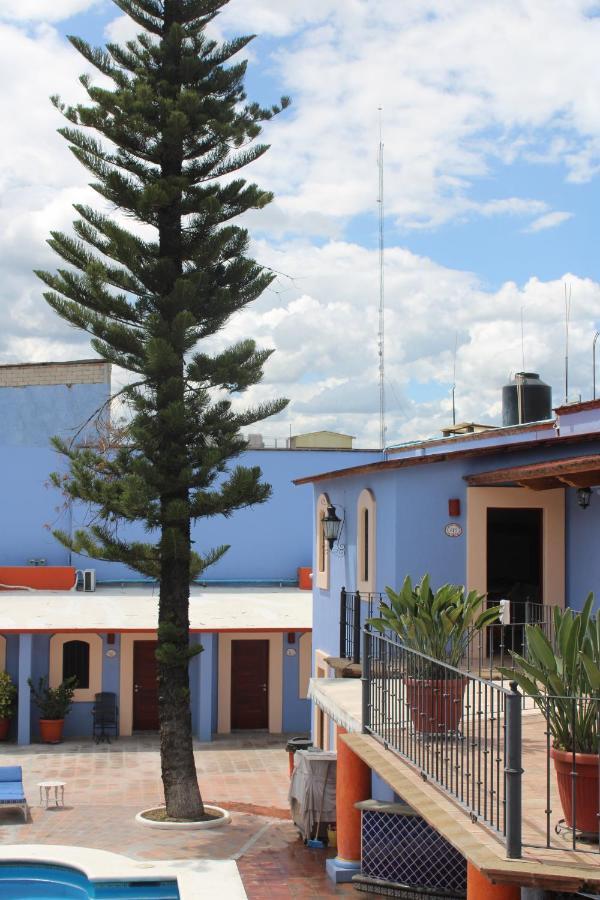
[(567, 322), (381, 331)]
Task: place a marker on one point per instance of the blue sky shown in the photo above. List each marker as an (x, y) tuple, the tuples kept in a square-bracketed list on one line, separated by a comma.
[(492, 155)]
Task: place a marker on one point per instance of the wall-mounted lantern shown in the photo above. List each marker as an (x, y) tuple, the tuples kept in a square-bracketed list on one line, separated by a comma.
[(332, 526), (584, 495)]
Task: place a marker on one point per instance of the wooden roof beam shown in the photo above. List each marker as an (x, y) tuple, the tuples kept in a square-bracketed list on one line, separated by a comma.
[(582, 479), (541, 484), (558, 468)]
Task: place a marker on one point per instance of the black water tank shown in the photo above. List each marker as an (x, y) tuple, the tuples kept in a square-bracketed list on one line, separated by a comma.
[(535, 399)]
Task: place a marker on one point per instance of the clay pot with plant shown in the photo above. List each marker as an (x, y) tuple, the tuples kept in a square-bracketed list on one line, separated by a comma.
[(437, 629), (54, 705), (563, 679), (8, 703)]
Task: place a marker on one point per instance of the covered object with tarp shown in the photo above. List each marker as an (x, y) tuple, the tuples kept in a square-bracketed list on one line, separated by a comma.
[(312, 791)]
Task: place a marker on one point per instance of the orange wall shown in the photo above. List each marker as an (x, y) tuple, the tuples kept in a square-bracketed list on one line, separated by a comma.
[(53, 578)]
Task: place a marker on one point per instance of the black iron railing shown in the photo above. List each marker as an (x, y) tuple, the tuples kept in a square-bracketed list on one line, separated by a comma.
[(460, 731), (487, 651), (490, 650), (568, 780)]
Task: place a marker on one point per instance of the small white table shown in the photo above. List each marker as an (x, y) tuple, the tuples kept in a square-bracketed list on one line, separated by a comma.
[(47, 787)]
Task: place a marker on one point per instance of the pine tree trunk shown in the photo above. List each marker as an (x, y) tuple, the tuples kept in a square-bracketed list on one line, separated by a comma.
[(182, 794)]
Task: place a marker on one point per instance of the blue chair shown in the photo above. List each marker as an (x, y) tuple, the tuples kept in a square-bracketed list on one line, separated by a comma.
[(11, 789)]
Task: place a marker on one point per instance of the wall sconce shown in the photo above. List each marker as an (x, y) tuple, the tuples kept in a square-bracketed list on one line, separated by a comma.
[(584, 495), (454, 507), (332, 527)]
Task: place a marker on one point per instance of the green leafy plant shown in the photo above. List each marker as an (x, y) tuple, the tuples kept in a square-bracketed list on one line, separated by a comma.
[(53, 703), (8, 696), (564, 679), (439, 625)]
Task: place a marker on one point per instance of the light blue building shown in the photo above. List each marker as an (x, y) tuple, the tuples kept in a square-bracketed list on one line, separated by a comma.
[(512, 512), (248, 614)]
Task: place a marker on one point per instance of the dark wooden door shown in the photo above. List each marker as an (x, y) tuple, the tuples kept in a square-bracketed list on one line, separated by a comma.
[(249, 684), (145, 688)]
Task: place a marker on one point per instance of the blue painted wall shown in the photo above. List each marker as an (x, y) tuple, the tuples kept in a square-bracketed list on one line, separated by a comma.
[(412, 510), (29, 507), (296, 710), (33, 414), (583, 558), (268, 542)]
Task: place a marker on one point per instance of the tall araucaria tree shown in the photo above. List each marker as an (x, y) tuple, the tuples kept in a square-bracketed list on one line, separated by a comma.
[(177, 129)]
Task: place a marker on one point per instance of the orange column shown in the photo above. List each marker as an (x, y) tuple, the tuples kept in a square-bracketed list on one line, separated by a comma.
[(353, 785), (481, 888)]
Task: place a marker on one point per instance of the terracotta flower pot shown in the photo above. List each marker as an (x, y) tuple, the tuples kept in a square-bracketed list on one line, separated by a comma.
[(436, 704), (4, 728), (587, 769), (51, 730)]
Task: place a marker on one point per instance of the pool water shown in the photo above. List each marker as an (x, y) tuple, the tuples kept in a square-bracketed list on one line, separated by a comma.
[(24, 881)]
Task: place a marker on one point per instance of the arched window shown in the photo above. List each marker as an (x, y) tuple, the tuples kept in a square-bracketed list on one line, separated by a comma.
[(79, 655), (76, 662), (365, 539), (321, 548)]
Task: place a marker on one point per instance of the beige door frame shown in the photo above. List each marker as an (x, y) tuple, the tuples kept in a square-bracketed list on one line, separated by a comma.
[(225, 686), (552, 504), (126, 678)]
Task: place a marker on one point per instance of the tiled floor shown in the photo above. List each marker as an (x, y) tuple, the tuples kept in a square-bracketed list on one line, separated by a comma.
[(106, 785)]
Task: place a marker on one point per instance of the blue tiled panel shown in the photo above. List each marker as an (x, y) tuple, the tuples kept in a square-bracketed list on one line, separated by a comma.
[(406, 850)]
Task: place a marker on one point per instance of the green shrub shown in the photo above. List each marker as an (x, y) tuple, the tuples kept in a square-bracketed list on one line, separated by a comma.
[(8, 696), (564, 679), (53, 703), (439, 625)]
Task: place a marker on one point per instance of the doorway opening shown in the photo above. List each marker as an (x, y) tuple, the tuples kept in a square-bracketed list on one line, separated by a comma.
[(145, 686), (514, 572), (249, 685)]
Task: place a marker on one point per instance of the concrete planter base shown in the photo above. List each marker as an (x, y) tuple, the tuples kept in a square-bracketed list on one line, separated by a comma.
[(224, 819)]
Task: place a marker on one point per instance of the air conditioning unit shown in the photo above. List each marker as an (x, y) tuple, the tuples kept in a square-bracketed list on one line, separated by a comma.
[(89, 579)]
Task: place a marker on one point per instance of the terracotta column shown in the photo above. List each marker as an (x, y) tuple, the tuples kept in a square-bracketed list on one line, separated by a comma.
[(353, 785), (481, 888)]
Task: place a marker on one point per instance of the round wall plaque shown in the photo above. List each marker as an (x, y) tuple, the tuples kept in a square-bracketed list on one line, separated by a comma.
[(453, 529)]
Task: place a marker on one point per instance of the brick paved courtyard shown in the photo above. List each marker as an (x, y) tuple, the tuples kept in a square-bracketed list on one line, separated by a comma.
[(106, 785)]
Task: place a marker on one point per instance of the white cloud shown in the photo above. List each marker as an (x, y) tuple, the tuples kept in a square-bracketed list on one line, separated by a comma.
[(466, 88), (43, 10), (549, 220), (323, 324)]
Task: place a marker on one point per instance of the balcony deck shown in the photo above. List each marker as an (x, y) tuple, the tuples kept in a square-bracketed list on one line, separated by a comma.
[(556, 868)]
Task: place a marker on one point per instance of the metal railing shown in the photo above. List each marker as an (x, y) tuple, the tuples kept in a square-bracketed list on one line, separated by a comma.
[(487, 651), (460, 731), (569, 780)]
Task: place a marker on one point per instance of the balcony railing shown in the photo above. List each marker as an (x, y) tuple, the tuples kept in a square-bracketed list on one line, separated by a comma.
[(487, 652), (458, 730), (488, 747)]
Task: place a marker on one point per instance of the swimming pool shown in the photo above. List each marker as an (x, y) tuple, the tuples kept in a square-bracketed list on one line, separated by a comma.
[(33, 881)]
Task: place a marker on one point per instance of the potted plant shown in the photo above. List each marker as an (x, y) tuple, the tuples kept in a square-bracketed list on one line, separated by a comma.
[(8, 698), (439, 627), (53, 704), (564, 682)]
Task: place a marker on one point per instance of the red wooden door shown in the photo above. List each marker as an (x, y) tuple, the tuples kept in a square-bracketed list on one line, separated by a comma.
[(145, 688), (249, 684)]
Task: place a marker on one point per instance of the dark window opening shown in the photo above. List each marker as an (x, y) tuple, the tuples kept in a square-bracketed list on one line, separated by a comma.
[(76, 661), (366, 544)]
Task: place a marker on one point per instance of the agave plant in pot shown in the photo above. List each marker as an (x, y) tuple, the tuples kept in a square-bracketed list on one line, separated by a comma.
[(8, 699), (436, 628), (53, 704), (563, 679)]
